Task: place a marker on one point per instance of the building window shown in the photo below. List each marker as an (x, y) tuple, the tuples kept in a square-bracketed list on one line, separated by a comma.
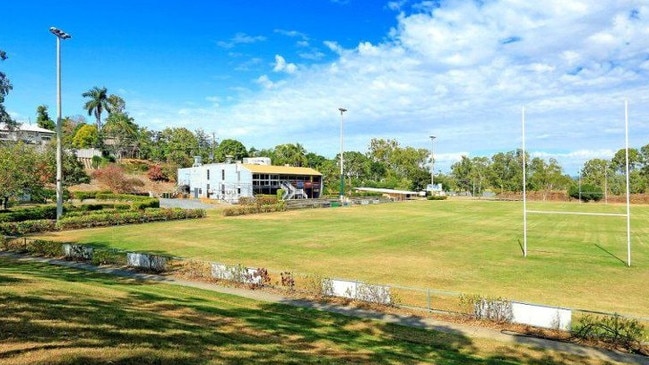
[(208, 174), (223, 174)]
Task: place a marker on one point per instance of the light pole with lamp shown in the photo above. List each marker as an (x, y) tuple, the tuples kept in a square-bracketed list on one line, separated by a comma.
[(59, 147), (342, 150), (432, 162)]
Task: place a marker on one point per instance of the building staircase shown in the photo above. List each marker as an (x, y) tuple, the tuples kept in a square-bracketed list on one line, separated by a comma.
[(291, 192)]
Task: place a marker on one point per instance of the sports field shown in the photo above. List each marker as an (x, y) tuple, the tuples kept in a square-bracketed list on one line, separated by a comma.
[(463, 246)]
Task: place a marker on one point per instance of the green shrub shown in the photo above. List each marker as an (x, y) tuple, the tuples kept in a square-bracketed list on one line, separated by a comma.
[(614, 330), (121, 197), (587, 192), (436, 197), (45, 248), (108, 257), (25, 227), (143, 204)]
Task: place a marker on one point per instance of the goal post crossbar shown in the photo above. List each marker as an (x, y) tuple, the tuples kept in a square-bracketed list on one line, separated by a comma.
[(576, 213)]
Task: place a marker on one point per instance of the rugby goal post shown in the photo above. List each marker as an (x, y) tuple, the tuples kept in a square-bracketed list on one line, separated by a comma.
[(627, 215)]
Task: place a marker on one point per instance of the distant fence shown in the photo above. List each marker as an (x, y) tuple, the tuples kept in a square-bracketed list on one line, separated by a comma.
[(430, 300)]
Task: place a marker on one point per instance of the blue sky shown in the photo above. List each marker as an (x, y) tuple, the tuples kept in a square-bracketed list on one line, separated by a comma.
[(270, 72)]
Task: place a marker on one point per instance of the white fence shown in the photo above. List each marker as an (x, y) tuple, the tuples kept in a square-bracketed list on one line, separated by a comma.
[(144, 261), (541, 316), (357, 291), (237, 274)]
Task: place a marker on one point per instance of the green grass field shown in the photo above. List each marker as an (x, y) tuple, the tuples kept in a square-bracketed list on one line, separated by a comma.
[(57, 315), (455, 245)]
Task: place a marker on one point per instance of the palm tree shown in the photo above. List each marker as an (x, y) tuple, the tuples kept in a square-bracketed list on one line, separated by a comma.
[(97, 104)]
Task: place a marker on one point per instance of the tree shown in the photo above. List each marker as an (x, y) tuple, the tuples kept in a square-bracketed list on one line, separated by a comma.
[(290, 154), (97, 104), (43, 119), (86, 137), (175, 145), (120, 132), (619, 160), (19, 173), (314, 160), (5, 87), (230, 147), (116, 105), (546, 177), (461, 172), (506, 170), (73, 170)]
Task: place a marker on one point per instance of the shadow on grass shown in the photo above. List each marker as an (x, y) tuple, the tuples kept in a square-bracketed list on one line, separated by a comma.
[(609, 253), (59, 315)]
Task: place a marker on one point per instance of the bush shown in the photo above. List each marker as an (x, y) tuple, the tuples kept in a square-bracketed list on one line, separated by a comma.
[(156, 173), (614, 330), (114, 178), (144, 204), (108, 257), (493, 309), (45, 248), (586, 193), (436, 197)]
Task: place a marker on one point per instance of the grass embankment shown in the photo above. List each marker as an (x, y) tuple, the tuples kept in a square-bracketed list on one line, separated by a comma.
[(57, 315), (461, 246)]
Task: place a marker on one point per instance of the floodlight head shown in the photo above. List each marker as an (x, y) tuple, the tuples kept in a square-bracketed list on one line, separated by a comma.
[(342, 110), (432, 137), (59, 33)]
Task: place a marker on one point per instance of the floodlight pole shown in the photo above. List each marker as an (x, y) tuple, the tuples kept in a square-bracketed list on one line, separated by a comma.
[(342, 150), (432, 161), (59, 147), (628, 205)]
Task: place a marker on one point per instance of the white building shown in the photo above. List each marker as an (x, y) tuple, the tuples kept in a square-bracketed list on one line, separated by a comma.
[(26, 133), (230, 181)]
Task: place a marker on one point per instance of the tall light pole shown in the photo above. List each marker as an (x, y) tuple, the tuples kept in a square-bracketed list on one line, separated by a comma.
[(432, 161), (59, 147), (342, 150)]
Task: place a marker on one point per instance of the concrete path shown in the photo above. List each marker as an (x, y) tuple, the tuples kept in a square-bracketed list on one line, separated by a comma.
[(411, 321)]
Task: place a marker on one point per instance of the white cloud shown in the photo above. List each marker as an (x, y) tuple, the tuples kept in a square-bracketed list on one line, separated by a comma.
[(240, 38), (282, 66)]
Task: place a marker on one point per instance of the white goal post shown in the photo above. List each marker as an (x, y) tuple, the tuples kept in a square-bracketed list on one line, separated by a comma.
[(627, 215)]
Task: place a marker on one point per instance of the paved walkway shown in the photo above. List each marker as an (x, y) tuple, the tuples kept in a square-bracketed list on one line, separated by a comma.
[(412, 321)]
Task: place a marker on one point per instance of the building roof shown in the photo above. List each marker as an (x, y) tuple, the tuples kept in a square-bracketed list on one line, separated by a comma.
[(27, 128), (288, 170)]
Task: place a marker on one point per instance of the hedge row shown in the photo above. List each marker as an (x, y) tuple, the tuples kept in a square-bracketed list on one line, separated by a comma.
[(103, 219), (121, 197), (46, 212), (99, 219), (253, 209)]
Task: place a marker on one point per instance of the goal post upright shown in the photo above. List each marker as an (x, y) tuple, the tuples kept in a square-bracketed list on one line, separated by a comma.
[(524, 185), (628, 200)]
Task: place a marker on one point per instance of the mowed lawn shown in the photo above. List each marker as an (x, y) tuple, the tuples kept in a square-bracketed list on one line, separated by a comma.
[(57, 315), (474, 247)]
